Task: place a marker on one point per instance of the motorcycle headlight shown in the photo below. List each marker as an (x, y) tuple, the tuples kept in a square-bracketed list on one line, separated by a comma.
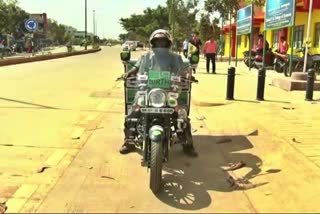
[(157, 98)]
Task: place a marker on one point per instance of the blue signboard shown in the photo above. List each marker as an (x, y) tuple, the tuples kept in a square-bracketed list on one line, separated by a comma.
[(244, 20), (279, 14), (31, 25)]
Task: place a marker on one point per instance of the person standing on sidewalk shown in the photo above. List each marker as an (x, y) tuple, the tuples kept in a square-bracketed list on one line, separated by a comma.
[(210, 49)]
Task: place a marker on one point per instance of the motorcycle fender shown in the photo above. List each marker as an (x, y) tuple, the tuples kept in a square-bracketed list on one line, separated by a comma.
[(156, 134)]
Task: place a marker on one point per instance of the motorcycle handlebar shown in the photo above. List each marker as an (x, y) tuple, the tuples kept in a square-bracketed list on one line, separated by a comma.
[(192, 80)]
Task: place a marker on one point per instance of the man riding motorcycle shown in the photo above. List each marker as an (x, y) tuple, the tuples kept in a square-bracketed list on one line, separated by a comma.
[(158, 58)]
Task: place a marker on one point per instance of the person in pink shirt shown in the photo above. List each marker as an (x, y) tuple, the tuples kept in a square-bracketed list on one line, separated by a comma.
[(283, 45), (210, 50)]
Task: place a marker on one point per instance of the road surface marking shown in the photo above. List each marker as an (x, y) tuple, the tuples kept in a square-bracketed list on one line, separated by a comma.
[(25, 191), (56, 157), (15, 205)]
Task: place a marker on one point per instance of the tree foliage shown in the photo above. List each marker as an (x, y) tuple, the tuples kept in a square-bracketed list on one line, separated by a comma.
[(177, 16), (139, 27), (224, 7), (208, 28), (11, 17)]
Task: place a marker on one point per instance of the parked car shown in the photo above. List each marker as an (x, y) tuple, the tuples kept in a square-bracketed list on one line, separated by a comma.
[(129, 45), (109, 44)]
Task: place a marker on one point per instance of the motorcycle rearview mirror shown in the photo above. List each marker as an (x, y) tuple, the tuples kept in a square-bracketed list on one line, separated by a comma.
[(125, 55)]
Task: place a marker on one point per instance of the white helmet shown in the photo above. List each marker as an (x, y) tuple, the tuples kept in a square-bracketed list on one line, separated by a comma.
[(161, 34)]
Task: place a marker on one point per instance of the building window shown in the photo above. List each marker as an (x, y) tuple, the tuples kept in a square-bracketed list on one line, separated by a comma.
[(275, 39), (298, 36), (317, 35)]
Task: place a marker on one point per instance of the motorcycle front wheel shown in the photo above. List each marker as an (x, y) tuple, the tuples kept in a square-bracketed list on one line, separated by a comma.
[(156, 166)]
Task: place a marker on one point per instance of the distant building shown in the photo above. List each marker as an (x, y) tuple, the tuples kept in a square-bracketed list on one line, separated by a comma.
[(70, 30)]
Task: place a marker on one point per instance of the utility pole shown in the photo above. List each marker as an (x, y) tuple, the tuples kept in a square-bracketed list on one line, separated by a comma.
[(172, 19), (94, 23), (97, 27), (85, 31)]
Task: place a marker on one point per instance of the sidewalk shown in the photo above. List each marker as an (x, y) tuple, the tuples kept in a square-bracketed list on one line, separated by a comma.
[(285, 115)]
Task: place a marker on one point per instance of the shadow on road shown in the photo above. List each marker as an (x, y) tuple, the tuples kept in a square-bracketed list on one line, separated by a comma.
[(41, 107), (277, 101), (29, 103), (187, 182)]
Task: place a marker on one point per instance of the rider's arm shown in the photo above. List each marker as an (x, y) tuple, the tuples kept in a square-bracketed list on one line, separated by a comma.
[(135, 69)]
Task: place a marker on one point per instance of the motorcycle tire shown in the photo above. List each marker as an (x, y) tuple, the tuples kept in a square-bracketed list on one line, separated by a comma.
[(317, 68), (278, 68), (156, 166), (246, 62)]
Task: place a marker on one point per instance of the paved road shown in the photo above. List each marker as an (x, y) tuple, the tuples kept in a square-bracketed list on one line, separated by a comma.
[(47, 107)]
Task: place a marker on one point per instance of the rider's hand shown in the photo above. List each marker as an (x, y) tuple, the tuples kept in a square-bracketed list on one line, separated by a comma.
[(193, 79), (126, 75)]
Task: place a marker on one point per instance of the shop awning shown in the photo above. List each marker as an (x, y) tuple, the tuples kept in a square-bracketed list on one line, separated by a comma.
[(258, 18), (303, 5), (226, 28)]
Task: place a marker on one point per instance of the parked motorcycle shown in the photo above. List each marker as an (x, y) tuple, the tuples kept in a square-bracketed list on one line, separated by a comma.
[(247, 59), (281, 62), (268, 60), (161, 100), (316, 63)]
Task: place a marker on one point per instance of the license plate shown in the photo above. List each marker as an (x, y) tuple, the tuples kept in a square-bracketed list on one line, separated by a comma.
[(157, 110)]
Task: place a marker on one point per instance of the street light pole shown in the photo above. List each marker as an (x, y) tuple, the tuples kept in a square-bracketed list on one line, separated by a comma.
[(308, 36), (94, 23), (171, 18), (85, 31)]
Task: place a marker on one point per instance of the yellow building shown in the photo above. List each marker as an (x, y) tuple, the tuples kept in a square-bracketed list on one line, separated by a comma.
[(300, 30)]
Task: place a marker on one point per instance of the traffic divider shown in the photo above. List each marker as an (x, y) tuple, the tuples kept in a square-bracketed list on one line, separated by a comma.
[(16, 61)]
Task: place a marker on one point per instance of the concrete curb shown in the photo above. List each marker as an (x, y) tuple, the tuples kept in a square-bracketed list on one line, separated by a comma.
[(45, 57)]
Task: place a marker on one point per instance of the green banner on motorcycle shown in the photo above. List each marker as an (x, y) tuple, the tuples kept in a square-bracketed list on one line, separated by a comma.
[(159, 79)]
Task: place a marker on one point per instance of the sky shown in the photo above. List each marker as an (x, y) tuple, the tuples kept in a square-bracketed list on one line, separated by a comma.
[(108, 12)]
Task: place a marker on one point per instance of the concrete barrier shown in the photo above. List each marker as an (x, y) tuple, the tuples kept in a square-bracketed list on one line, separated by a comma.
[(15, 61)]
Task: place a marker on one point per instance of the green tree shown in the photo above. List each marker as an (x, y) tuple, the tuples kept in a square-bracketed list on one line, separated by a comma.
[(225, 7), (182, 19), (12, 17), (178, 16), (140, 27)]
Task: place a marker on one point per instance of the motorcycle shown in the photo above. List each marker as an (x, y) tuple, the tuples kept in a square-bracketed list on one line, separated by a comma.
[(161, 100), (247, 59), (282, 63), (268, 60)]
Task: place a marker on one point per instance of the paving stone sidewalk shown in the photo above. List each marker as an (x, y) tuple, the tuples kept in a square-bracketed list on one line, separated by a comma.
[(285, 115)]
